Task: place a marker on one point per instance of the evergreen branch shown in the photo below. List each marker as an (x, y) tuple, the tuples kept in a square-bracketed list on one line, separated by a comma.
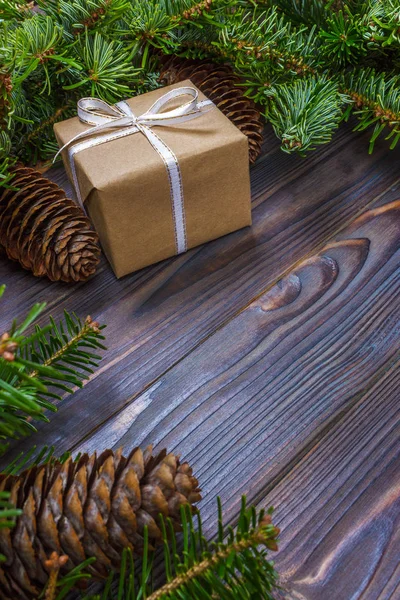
[(10, 9), (48, 122), (78, 16), (344, 37), (247, 37), (33, 124), (386, 15), (52, 346), (305, 12), (260, 47), (305, 113), (104, 48), (6, 161), (158, 24), (59, 356), (39, 46), (106, 68), (256, 537), (376, 100), (231, 567)]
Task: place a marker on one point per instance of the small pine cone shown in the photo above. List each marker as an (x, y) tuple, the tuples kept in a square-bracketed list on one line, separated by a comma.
[(93, 507), (45, 231), (220, 84)]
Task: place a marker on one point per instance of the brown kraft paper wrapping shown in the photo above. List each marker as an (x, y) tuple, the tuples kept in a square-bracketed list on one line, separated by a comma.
[(125, 188)]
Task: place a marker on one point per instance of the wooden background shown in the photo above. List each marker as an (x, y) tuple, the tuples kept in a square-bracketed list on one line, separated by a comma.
[(268, 359)]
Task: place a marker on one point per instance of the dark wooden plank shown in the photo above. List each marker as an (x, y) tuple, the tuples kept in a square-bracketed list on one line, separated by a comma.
[(244, 404), (160, 314), (339, 508), (273, 171)]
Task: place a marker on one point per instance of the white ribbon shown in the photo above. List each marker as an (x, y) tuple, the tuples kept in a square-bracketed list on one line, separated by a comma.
[(120, 118)]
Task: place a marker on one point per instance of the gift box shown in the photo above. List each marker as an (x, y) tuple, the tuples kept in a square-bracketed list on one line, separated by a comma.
[(158, 174)]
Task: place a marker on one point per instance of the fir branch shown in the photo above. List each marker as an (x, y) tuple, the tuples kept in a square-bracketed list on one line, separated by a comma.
[(33, 124), (233, 566), (386, 16), (78, 16), (305, 113), (158, 24), (304, 12), (48, 122), (107, 69), (52, 346), (255, 538), (376, 100), (6, 161), (104, 48), (39, 44), (60, 356), (344, 37), (10, 9), (267, 53), (248, 37)]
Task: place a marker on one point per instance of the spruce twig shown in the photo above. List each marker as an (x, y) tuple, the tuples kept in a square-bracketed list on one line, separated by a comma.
[(57, 356), (107, 48), (233, 566), (257, 537)]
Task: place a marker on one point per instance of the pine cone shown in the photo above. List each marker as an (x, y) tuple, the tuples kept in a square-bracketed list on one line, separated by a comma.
[(44, 231), (93, 507), (219, 84)]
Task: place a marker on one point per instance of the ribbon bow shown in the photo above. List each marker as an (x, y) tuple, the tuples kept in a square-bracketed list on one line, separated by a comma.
[(111, 122)]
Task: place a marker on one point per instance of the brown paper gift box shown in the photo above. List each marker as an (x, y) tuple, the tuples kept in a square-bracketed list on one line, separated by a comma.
[(125, 188)]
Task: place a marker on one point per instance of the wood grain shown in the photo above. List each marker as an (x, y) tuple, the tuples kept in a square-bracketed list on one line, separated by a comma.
[(339, 508), (157, 317), (269, 359), (272, 172), (246, 403)]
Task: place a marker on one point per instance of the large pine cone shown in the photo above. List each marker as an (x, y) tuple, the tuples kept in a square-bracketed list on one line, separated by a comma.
[(44, 231), (220, 84), (93, 507)]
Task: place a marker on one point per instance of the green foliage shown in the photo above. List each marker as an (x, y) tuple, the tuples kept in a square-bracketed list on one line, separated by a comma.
[(376, 99), (110, 48), (305, 11), (278, 44), (297, 109), (27, 460), (386, 15), (344, 39), (36, 369), (5, 161), (106, 68), (78, 16), (12, 9), (267, 37), (234, 566)]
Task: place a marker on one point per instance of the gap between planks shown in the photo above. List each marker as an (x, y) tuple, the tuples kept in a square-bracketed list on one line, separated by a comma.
[(322, 432), (356, 183), (341, 504), (376, 201), (330, 335)]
